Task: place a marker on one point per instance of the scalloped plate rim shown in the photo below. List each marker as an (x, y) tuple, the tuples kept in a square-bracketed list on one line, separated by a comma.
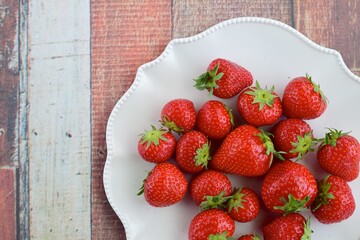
[(163, 55)]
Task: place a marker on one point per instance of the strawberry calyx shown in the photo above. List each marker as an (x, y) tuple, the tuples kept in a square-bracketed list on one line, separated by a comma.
[(317, 89), (270, 149), (142, 188), (211, 202), (229, 110), (166, 122), (208, 79), (236, 199), (332, 136), (303, 145), (307, 230), (220, 236), (262, 96), (292, 205), (153, 136), (324, 195), (202, 156), (255, 237)]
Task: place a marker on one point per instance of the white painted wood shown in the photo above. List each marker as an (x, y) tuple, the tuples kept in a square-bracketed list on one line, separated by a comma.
[(59, 128)]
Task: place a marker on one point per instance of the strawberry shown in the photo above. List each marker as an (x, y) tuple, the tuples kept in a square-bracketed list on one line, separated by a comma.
[(210, 188), (249, 237), (224, 79), (259, 106), (335, 201), (339, 154), (179, 115), (289, 227), (294, 137), (156, 145), (243, 205), (303, 99), (164, 186), (215, 119), (193, 151), (211, 225), (246, 151), (288, 187)]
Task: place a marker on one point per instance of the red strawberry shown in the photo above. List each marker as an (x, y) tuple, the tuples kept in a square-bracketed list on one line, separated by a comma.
[(259, 106), (179, 115), (294, 137), (156, 145), (209, 188), (288, 187), (249, 237), (246, 151), (335, 201), (164, 186), (214, 119), (211, 224), (224, 78), (243, 205), (303, 99), (289, 227), (339, 154), (193, 151)]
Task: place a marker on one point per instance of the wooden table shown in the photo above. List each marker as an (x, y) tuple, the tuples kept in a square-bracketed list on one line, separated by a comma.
[(63, 66)]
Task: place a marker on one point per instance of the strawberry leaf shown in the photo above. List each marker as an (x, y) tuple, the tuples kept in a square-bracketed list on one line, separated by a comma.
[(166, 122), (303, 145), (153, 136), (220, 236), (270, 149), (208, 79), (262, 96), (217, 201), (307, 230), (317, 89), (202, 156), (324, 195), (332, 136), (235, 201), (292, 205)]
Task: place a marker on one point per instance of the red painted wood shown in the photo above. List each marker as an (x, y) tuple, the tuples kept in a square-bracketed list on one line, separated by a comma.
[(125, 34), (333, 24), (9, 78), (7, 204)]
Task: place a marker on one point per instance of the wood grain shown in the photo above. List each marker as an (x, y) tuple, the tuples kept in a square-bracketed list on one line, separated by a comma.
[(125, 34), (8, 203), (9, 78), (333, 24), (58, 123), (191, 16)]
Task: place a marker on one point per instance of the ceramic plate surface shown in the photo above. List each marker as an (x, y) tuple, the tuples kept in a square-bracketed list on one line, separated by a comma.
[(274, 53)]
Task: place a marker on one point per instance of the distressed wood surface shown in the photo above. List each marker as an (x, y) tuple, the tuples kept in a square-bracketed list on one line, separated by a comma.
[(9, 82), (58, 119), (125, 34), (8, 203), (53, 116), (9, 79), (333, 24)]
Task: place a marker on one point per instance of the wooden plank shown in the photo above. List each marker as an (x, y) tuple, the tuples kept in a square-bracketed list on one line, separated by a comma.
[(333, 24), (58, 123), (191, 16), (125, 34), (8, 203), (9, 77)]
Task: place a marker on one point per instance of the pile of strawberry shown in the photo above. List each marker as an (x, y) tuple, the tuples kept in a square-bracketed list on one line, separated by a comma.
[(209, 146)]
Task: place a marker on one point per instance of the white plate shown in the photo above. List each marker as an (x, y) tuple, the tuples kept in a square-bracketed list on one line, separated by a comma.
[(274, 53)]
